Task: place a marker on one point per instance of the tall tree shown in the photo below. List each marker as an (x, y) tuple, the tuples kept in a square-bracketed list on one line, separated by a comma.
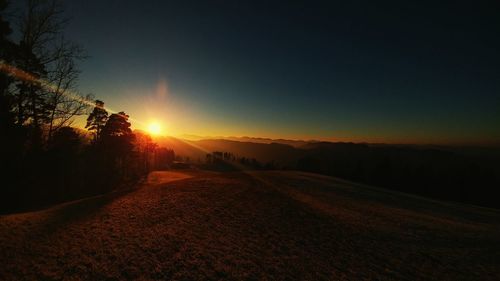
[(48, 98), (97, 119), (117, 141), (63, 101), (117, 127), (13, 137), (117, 137), (7, 49)]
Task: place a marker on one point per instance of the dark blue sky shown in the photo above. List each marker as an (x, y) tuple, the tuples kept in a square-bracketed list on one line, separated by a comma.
[(362, 70)]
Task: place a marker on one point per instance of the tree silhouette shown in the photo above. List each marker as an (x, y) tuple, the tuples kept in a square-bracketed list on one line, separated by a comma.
[(117, 126), (97, 119), (7, 52), (117, 136), (46, 58), (164, 158), (117, 140), (46, 160), (66, 140), (145, 150), (30, 98)]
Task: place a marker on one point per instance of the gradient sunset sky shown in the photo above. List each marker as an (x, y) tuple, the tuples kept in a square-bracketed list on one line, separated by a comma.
[(420, 72)]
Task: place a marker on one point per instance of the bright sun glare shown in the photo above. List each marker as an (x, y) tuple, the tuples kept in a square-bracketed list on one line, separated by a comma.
[(154, 128)]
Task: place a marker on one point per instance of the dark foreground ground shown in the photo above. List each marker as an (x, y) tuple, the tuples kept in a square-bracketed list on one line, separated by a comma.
[(251, 226)]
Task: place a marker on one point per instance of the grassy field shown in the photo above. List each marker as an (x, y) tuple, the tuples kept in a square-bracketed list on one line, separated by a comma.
[(200, 225)]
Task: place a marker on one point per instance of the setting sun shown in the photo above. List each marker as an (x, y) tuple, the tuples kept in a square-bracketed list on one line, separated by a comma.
[(154, 128)]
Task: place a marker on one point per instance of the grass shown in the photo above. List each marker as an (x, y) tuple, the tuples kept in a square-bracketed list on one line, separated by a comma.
[(252, 226)]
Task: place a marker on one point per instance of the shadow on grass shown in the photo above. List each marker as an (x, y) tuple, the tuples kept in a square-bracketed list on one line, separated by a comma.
[(64, 214)]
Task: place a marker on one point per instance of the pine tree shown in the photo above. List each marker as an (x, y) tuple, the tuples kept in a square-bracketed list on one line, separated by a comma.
[(97, 120), (117, 142), (116, 136), (117, 125)]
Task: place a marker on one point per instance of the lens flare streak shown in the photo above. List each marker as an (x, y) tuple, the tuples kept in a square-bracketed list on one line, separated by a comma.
[(32, 79)]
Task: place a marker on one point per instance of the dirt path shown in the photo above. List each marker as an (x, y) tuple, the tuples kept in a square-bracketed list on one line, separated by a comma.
[(251, 226)]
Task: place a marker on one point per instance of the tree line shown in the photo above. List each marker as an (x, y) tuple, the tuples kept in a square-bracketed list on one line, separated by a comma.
[(43, 158)]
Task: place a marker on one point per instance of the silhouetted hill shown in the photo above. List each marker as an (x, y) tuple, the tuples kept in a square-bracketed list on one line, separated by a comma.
[(439, 172), (294, 143), (182, 147), (282, 153), (197, 150)]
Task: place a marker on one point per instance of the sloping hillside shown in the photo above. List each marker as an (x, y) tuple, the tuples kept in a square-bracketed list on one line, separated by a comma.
[(196, 150), (252, 226)]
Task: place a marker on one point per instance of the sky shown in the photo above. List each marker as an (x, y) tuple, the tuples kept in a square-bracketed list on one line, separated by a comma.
[(371, 71)]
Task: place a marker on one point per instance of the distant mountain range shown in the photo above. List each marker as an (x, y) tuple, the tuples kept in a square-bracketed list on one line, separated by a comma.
[(284, 151), (294, 143)]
